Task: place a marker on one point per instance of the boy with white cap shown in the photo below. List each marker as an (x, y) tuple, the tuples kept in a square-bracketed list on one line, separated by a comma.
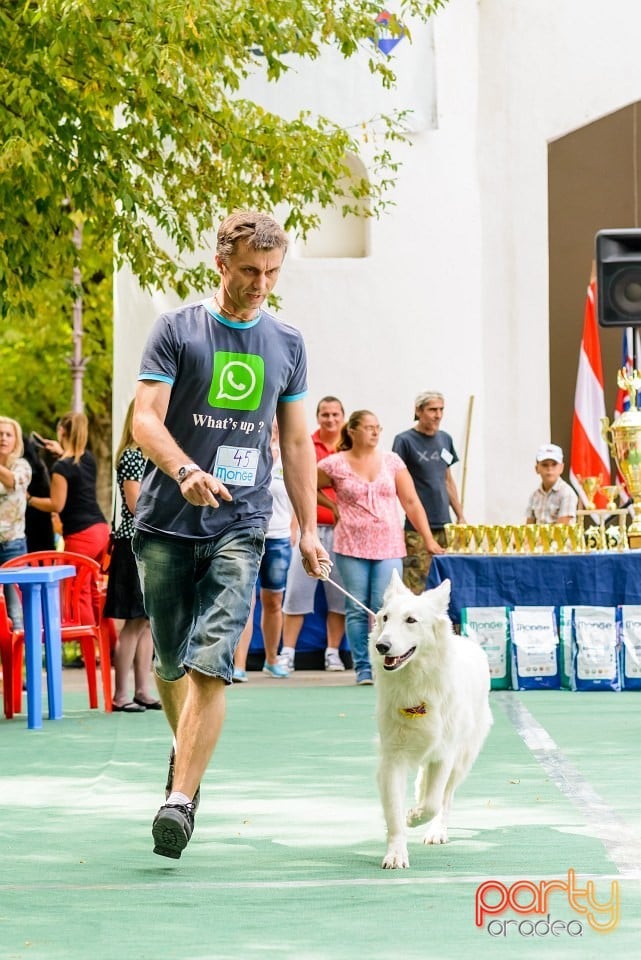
[(554, 501)]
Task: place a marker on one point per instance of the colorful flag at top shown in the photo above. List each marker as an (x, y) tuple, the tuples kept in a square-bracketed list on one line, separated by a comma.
[(392, 31), (589, 455), (627, 363)]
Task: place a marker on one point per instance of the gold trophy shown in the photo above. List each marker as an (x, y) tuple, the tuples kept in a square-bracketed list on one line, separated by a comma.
[(459, 545), (479, 536), (624, 440), (451, 536), (505, 536), (590, 487), (467, 535), (611, 491), (519, 537), (622, 539), (576, 537), (545, 533), (560, 535), (594, 538), (492, 535), (532, 536), (612, 538)]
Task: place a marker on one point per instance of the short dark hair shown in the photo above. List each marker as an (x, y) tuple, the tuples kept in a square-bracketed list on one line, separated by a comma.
[(258, 230), (329, 399)]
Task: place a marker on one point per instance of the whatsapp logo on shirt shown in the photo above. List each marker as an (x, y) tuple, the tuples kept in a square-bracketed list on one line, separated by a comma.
[(237, 381)]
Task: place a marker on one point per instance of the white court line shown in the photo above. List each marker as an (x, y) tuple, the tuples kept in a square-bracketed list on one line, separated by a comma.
[(622, 844), (389, 877)]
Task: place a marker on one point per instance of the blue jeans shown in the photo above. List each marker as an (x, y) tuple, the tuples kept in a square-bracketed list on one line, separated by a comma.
[(9, 550), (197, 596), (367, 581)]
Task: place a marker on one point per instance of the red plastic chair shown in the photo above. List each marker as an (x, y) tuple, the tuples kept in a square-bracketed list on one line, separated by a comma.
[(8, 639), (90, 636)]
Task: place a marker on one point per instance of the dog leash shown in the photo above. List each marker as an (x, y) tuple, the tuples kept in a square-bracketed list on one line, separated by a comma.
[(325, 569)]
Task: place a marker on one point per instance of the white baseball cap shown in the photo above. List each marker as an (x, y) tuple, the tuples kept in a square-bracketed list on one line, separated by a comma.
[(549, 451)]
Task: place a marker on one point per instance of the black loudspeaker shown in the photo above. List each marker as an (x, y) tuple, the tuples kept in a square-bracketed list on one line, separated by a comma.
[(618, 278)]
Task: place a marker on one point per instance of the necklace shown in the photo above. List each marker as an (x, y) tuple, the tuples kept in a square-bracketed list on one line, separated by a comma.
[(234, 316)]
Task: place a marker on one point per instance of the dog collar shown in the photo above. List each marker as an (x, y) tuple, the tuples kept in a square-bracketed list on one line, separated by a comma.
[(413, 712)]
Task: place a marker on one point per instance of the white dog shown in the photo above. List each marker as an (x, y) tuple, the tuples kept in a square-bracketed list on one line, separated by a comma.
[(433, 710)]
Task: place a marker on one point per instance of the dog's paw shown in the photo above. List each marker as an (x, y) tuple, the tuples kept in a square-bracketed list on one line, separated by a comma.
[(396, 858), (435, 833), (416, 816)]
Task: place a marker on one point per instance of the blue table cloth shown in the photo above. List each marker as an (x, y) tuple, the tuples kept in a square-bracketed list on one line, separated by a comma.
[(601, 578)]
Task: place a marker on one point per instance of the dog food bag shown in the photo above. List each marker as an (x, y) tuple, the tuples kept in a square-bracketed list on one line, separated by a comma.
[(595, 659), (629, 623), (490, 627), (535, 649), (566, 629)]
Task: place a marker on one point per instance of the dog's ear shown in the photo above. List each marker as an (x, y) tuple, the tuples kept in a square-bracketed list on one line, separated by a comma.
[(440, 596), (395, 585)]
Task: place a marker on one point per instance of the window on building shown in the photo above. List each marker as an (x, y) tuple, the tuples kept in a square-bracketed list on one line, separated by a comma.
[(336, 235)]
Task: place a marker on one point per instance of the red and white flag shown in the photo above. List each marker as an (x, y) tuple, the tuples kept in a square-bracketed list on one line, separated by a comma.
[(589, 456)]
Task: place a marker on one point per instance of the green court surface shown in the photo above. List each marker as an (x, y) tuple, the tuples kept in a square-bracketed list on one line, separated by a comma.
[(285, 859)]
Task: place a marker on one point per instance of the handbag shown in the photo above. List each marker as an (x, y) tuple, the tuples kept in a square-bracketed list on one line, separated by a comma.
[(105, 560)]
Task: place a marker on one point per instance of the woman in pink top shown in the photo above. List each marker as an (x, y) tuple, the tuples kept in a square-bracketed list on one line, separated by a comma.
[(368, 537)]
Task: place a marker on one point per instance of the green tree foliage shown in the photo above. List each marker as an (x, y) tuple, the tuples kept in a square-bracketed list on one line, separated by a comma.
[(126, 116), (129, 110)]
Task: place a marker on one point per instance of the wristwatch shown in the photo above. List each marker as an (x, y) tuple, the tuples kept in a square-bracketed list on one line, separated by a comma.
[(184, 471)]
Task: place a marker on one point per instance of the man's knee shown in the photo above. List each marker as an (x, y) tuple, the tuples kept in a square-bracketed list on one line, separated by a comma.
[(205, 682)]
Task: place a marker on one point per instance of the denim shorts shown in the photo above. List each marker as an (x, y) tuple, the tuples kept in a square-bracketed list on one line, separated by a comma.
[(197, 597), (275, 564)]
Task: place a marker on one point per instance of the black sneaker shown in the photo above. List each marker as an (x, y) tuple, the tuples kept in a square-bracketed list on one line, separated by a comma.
[(172, 829), (169, 786)]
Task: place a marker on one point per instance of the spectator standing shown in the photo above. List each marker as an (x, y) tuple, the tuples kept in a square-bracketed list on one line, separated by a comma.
[(300, 592), (272, 577), (73, 497), (368, 540), (15, 474), (428, 453), (124, 595)]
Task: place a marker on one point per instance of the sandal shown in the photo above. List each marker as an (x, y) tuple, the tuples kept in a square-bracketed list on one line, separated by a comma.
[(148, 704), (129, 707)]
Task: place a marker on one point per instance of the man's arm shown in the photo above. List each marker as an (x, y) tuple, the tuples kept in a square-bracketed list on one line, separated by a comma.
[(156, 442), (299, 473), (406, 493), (323, 481), (452, 493)]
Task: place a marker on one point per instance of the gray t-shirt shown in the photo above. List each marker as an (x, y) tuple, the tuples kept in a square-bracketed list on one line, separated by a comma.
[(427, 459), (226, 379)]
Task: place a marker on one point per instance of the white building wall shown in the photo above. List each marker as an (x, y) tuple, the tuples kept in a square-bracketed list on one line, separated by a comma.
[(454, 295), (545, 69)]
